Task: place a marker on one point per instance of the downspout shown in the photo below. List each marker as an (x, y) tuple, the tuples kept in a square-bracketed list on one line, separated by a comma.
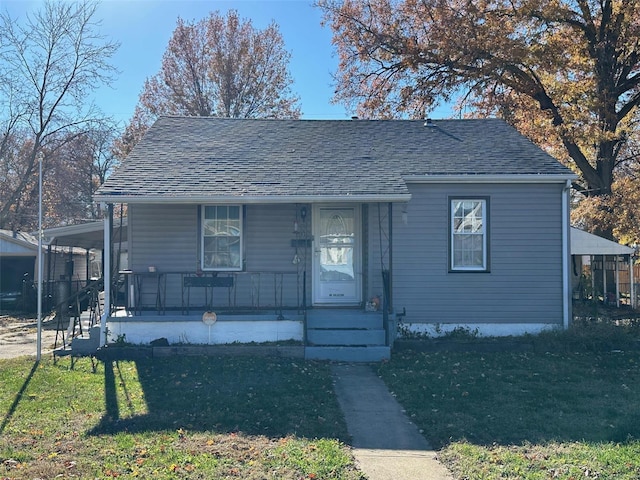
[(566, 256), (390, 302), (604, 279), (106, 274), (592, 259), (87, 265), (617, 282), (632, 288)]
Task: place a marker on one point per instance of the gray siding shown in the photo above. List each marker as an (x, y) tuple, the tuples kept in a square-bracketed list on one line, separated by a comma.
[(167, 238), (377, 217), (524, 284), (269, 231), (164, 236)]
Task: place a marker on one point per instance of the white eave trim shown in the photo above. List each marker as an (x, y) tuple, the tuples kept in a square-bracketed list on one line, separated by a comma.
[(81, 228), (53, 233), (529, 178), (240, 199)]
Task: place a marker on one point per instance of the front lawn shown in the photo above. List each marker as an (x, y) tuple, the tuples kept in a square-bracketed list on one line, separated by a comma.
[(566, 413), (192, 417), (546, 415)]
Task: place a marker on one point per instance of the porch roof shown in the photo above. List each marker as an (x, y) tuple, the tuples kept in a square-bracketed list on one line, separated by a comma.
[(85, 235), (585, 243), (199, 159)]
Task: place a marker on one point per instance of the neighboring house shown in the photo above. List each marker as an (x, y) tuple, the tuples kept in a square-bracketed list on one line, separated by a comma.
[(329, 231), (18, 268)]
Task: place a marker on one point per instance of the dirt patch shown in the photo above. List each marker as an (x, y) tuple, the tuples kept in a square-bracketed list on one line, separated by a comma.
[(18, 335)]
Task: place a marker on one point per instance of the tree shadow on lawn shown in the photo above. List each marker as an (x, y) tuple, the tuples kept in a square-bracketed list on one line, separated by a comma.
[(507, 398), (256, 396)]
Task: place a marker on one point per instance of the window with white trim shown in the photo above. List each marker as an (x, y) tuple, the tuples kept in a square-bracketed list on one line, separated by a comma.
[(468, 240), (222, 237)]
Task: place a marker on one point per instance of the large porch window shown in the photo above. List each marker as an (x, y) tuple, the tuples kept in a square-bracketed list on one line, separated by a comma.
[(222, 237), (468, 244)]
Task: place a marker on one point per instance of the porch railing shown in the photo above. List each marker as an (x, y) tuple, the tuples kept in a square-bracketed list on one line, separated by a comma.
[(218, 291), (54, 292)]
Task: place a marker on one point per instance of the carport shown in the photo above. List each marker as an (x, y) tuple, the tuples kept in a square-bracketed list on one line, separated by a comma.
[(90, 236), (601, 269)]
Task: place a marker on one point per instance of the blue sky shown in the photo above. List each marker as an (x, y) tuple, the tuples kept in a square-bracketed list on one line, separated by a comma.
[(143, 29)]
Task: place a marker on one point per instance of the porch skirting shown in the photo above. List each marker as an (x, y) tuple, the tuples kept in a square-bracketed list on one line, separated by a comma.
[(190, 330)]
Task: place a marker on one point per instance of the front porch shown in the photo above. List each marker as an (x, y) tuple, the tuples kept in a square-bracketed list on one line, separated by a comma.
[(285, 272)]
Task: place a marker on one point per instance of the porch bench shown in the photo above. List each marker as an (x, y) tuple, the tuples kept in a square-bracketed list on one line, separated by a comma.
[(208, 283)]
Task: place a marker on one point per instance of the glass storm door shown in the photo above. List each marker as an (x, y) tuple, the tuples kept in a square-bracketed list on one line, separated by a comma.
[(336, 259)]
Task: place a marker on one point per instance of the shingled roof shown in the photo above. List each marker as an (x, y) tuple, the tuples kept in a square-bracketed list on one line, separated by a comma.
[(199, 159)]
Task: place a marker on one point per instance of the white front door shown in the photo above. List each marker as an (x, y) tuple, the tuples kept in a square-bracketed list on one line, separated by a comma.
[(336, 258)]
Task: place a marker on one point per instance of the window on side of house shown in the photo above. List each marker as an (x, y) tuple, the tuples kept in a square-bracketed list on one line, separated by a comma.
[(222, 238), (468, 243)]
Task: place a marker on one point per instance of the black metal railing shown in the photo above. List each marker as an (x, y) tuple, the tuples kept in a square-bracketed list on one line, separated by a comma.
[(69, 311), (159, 291)]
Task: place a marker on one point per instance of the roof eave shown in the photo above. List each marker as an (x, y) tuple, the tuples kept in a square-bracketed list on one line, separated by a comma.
[(249, 199), (21, 242), (88, 227), (482, 178)]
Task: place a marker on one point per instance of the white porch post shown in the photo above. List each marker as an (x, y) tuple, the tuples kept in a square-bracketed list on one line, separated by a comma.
[(106, 274)]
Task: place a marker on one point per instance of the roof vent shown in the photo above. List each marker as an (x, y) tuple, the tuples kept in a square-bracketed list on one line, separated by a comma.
[(429, 123), (355, 117)]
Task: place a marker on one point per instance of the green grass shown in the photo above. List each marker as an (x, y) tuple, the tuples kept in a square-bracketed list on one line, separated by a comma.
[(194, 417), (525, 415), (571, 411)]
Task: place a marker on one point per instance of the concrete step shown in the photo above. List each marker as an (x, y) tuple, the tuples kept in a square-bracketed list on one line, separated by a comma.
[(86, 345), (345, 337), (346, 320), (348, 354)]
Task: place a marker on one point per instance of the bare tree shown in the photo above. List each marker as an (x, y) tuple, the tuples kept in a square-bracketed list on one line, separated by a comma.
[(76, 169), (219, 66), (49, 64)]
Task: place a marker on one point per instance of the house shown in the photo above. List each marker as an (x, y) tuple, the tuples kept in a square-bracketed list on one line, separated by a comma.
[(329, 232)]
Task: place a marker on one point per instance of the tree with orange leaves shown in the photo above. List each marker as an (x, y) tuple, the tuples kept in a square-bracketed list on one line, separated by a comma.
[(564, 72)]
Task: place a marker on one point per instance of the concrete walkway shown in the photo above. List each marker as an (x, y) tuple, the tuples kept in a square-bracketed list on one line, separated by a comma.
[(386, 445)]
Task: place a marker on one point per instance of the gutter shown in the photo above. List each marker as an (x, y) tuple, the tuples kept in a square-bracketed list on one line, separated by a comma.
[(481, 178), (248, 199)]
